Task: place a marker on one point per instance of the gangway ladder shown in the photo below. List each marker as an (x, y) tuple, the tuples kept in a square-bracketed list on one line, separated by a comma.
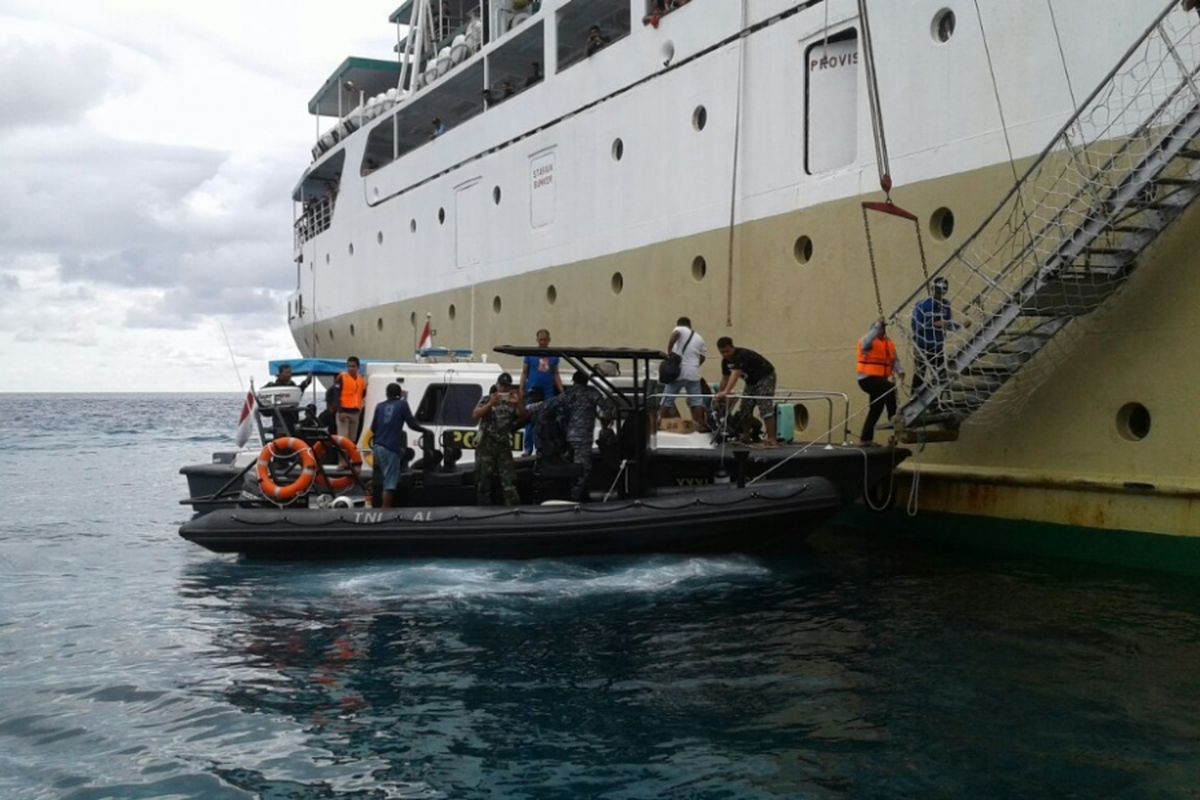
[(1132, 186)]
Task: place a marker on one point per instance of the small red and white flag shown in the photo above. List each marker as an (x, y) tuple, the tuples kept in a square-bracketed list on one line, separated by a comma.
[(426, 336), (246, 421)]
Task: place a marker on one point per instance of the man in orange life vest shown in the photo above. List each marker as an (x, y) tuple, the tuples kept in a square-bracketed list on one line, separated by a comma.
[(877, 362), (349, 390)]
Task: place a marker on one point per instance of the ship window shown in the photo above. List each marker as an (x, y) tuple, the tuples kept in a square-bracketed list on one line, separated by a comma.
[(831, 103), (412, 226), (618, 149), (381, 143), (943, 26), (350, 248), (699, 118), (802, 250), (441, 216), (452, 311), (575, 22), (379, 324), (379, 237), (449, 404), (941, 224), (618, 282), (496, 195), (351, 328), (1133, 422), (551, 294), (496, 304), (412, 319), (699, 268)]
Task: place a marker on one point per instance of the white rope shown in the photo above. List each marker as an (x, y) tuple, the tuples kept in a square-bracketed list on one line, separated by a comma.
[(620, 472)]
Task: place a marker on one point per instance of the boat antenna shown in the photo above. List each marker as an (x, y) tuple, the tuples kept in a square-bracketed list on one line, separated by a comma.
[(229, 347)]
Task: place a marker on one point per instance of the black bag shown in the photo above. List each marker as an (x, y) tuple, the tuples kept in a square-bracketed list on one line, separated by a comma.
[(672, 365), (669, 369)]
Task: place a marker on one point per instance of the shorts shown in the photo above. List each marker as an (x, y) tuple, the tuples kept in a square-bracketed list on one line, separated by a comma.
[(765, 389), (388, 467), (695, 394)]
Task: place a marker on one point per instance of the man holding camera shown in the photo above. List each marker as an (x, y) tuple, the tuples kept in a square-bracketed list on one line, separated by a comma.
[(499, 415)]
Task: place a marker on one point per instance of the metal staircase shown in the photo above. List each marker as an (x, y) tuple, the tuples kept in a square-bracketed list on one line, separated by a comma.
[(1073, 229)]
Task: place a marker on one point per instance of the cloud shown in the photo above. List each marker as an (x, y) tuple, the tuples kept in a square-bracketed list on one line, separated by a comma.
[(48, 83)]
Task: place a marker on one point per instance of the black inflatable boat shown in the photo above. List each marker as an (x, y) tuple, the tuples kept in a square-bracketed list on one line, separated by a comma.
[(708, 520)]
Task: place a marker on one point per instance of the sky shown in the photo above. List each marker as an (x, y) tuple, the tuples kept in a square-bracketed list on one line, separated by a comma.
[(147, 155)]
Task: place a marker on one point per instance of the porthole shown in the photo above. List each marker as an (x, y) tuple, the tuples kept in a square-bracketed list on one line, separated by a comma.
[(699, 268), (412, 319), (350, 248), (307, 346), (379, 237), (941, 224), (376, 190), (801, 416), (618, 149), (496, 304), (699, 118), (352, 329), (379, 324), (331, 334), (452, 312), (1133, 422), (496, 195), (441, 216), (943, 26), (327, 258), (802, 250), (316, 337), (551, 294), (412, 226), (618, 282)]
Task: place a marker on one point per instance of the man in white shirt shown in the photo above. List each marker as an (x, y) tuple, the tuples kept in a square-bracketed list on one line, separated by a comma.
[(692, 351)]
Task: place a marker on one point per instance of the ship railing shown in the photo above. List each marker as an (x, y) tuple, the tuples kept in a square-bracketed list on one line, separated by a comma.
[(317, 216), (743, 405)]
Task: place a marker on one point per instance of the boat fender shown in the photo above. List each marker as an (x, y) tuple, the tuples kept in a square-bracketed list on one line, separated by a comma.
[(279, 448), (349, 452)]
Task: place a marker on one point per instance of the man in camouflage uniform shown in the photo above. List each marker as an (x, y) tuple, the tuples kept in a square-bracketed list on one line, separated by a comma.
[(577, 408), (499, 415)]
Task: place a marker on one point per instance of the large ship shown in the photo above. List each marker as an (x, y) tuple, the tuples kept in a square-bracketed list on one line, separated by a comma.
[(601, 167)]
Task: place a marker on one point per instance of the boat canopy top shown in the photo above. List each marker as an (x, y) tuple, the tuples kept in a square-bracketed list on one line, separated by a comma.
[(583, 353), (340, 92), (311, 366)]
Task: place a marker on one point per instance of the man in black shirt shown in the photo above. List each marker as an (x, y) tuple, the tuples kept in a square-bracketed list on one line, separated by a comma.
[(742, 362)]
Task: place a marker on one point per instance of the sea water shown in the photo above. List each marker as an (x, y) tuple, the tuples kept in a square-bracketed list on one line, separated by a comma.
[(136, 665)]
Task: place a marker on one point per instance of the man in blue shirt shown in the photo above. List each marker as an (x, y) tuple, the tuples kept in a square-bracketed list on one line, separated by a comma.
[(539, 372), (931, 318), (389, 442)]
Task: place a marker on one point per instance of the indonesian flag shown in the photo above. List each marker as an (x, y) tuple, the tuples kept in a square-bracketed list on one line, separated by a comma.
[(246, 421), (426, 336)]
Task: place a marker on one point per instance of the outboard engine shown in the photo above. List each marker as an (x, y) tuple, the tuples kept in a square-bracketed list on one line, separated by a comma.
[(451, 452), (430, 455), (281, 405)]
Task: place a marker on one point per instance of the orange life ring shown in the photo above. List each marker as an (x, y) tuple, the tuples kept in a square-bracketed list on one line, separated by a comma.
[(349, 452), (288, 445)]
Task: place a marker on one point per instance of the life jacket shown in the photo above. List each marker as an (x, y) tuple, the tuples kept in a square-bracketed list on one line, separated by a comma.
[(877, 362), (352, 391)]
